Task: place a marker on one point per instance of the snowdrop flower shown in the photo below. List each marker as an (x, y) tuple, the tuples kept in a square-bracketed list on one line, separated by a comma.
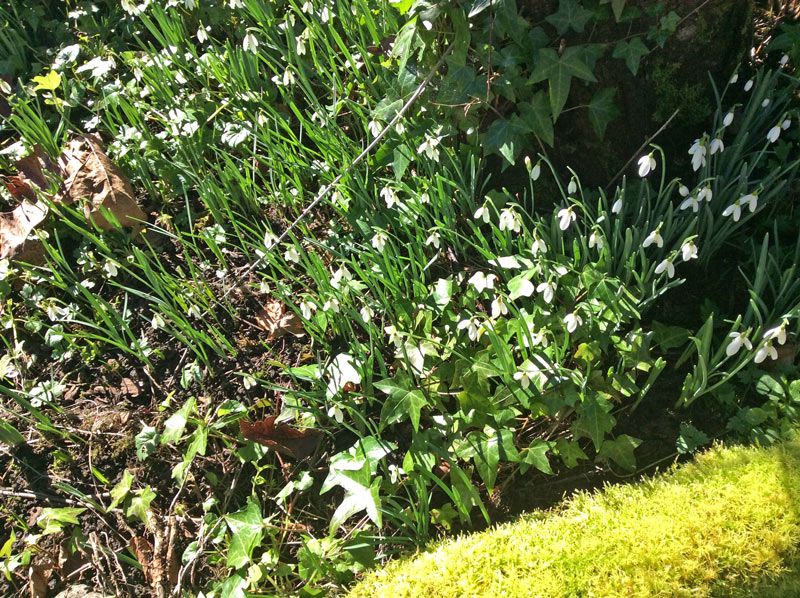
[(779, 333), (734, 78), (766, 350), (335, 412), (726, 122), (292, 255), (735, 208), (433, 239), (688, 250), (538, 246), (250, 43), (202, 33), (536, 338), (738, 339), (784, 59), (481, 281), (534, 171), (668, 266), (482, 213), (499, 308), (389, 196), (698, 153), (510, 220), (366, 313), (654, 237), (716, 146), (566, 216), (547, 289), (379, 240), (374, 128), (428, 147), (596, 240), (572, 321), (749, 85), (399, 127), (424, 198), (617, 207), (683, 190), (342, 274), (157, 321), (765, 103), (572, 187), (526, 373), (705, 193), (307, 308), (472, 326), (301, 44), (647, 163), (786, 124), (325, 14), (395, 336), (751, 200), (774, 133), (690, 202), (331, 305)]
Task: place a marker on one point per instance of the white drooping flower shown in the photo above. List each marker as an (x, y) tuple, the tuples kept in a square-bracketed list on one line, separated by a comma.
[(646, 164), (617, 207), (734, 78), (726, 122), (374, 128), (482, 213), (766, 350), (341, 274), (690, 202), (716, 146), (307, 308), (250, 43), (379, 240), (399, 127), (666, 265), (472, 325), (774, 133), (750, 200), (778, 333), (547, 289), (688, 250), (428, 147), (341, 371), (765, 103), (572, 322), (749, 85), (595, 240), (395, 336), (499, 308), (705, 193), (566, 216), (784, 59), (698, 152), (527, 372), (538, 246), (572, 187), (654, 237), (389, 196), (433, 239), (292, 255), (738, 339), (331, 305), (510, 220), (735, 208), (786, 124), (683, 190), (481, 281)]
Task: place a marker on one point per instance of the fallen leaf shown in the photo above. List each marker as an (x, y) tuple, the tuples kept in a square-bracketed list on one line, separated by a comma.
[(160, 562), (91, 176), (38, 576), (34, 166), (277, 320), (15, 226), (298, 443)]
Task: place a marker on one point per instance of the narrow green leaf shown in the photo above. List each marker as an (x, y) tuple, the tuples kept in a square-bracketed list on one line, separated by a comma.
[(10, 435)]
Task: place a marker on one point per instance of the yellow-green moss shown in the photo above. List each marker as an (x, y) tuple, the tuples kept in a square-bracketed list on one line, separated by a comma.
[(727, 524)]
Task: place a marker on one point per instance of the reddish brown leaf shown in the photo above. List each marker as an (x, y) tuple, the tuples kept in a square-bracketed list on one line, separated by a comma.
[(277, 320), (15, 226), (282, 438)]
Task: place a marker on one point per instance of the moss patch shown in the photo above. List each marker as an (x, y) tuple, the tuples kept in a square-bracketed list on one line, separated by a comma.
[(727, 524)]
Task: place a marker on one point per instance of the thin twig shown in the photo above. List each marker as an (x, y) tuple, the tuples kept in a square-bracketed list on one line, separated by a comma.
[(642, 147), (327, 188)]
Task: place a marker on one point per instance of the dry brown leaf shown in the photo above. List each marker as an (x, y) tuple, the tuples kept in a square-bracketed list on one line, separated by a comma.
[(277, 320), (34, 166), (38, 576), (160, 562), (91, 176), (15, 226)]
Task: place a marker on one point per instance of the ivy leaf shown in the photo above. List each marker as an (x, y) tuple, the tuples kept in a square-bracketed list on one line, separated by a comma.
[(402, 156), (120, 491), (53, 520), (174, 426), (669, 337), (620, 451), (485, 453), (631, 52), (569, 451), (502, 138), (559, 70), (405, 400), (537, 115), (536, 455), (140, 505), (602, 110), (617, 6), (246, 532), (594, 419), (570, 14), (146, 442), (690, 439)]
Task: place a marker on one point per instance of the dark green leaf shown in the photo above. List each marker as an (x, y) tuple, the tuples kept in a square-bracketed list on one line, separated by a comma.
[(10, 435), (631, 52), (669, 337), (569, 451), (405, 400), (690, 438), (536, 455), (620, 451), (602, 110), (538, 116), (570, 14), (594, 419)]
